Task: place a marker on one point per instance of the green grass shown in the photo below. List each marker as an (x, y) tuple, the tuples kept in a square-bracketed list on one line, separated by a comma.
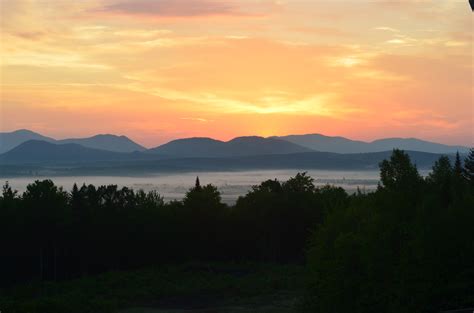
[(260, 305), (220, 288)]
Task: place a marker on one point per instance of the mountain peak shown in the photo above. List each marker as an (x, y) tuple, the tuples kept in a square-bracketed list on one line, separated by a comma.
[(39, 151), (22, 131), (247, 138), (108, 142), (343, 145), (240, 146), (10, 140)]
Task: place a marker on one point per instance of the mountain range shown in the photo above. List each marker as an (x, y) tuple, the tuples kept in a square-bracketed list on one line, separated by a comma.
[(10, 140), (107, 152), (320, 142), (240, 146), (38, 151), (73, 160), (208, 147)]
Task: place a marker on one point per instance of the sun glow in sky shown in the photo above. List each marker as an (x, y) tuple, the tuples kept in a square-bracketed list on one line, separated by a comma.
[(164, 69)]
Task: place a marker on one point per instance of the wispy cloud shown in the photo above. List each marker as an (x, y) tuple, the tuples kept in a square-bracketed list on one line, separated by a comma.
[(322, 31), (30, 35), (196, 119), (386, 28), (173, 8)]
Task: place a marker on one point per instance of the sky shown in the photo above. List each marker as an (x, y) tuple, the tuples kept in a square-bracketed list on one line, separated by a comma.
[(156, 70)]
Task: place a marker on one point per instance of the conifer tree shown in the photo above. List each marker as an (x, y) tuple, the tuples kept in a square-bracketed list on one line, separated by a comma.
[(469, 167), (197, 186), (399, 173), (457, 166), (8, 193)]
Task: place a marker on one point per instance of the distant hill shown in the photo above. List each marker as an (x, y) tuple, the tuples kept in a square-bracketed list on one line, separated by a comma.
[(137, 164), (10, 140), (343, 145), (415, 145), (37, 151), (114, 143), (300, 161), (49, 153), (298, 151), (240, 146), (106, 142)]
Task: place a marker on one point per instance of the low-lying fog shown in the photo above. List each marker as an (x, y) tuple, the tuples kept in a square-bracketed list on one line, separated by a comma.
[(230, 184)]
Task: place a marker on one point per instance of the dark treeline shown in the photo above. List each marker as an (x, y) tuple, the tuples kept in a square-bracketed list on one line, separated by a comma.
[(406, 247), (51, 234)]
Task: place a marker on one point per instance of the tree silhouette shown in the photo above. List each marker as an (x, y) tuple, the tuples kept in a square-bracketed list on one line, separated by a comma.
[(442, 171), (8, 193), (398, 173), (469, 167), (197, 186), (458, 166), (382, 253), (300, 183)]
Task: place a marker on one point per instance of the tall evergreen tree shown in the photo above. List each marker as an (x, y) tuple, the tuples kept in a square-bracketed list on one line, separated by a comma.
[(469, 167), (399, 173), (75, 198), (442, 171), (457, 165), (197, 186), (8, 193)]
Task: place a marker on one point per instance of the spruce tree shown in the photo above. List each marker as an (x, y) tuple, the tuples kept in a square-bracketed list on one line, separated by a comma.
[(399, 173), (8, 193), (469, 167), (197, 186), (75, 197), (457, 166)]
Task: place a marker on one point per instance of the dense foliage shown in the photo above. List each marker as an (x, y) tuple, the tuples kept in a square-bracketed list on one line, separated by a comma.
[(406, 247), (51, 234)]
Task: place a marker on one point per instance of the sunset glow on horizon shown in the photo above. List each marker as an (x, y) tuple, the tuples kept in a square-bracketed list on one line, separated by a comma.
[(166, 69)]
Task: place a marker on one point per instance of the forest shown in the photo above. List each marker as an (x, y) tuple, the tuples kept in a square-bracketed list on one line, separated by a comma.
[(406, 247)]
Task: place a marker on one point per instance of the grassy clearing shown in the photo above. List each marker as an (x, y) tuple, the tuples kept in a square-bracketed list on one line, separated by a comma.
[(220, 288), (261, 305)]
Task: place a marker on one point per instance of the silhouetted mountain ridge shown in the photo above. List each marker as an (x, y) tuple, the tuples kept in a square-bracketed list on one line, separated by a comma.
[(72, 159), (37, 151), (106, 142), (343, 145), (13, 139), (10, 140), (198, 147), (240, 146)]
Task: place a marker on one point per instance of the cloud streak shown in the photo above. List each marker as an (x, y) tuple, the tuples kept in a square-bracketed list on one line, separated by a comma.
[(173, 8)]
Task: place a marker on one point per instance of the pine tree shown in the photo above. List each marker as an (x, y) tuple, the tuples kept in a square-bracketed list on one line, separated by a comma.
[(399, 173), (457, 165), (197, 186), (8, 194), (442, 171), (75, 197), (468, 170), (75, 189)]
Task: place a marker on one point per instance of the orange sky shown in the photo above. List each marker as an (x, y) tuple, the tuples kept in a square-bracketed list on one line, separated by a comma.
[(164, 69)]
